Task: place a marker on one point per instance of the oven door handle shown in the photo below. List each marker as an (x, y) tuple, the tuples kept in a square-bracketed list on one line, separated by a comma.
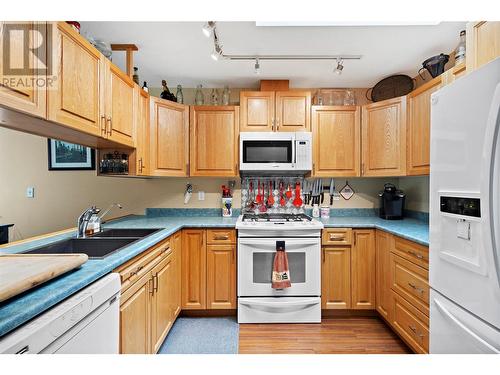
[(281, 304), (255, 243)]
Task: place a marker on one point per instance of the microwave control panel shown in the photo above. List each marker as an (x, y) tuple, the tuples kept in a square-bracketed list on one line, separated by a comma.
[(303, 151)]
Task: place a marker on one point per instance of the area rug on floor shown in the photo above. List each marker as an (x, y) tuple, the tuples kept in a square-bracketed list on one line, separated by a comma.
[(202, 336)]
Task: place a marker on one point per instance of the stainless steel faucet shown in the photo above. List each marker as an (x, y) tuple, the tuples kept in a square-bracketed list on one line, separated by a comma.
[(109, 208), (83, 220)]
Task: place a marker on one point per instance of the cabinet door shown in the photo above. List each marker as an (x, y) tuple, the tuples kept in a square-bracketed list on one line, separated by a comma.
[(163, 300), (120, 109), (135, 322), (214, 141), (194, 267), (384, 138), (221, 276), (483, 43), (363, 269), (176, 244), (32, 100), (336, 277), (419, 128), (336, 141), (384, 243), (257, 111), (169, 138), (293, 111), (142, 132), (77, 100)]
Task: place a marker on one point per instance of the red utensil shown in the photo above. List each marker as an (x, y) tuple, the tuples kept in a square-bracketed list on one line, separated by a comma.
[(297, 202), (270, 198), (289, 192), (258, 198), (282, 200)]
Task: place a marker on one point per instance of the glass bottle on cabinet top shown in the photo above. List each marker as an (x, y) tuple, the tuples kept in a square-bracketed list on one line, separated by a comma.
[(199, 99), (214, 97), (179, 95), (226, 95), (349, 98)]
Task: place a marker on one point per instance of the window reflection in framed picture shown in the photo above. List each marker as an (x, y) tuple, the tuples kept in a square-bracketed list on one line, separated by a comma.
[(65, 156)]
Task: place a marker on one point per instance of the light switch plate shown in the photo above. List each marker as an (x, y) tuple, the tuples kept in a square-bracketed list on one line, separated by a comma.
[(30, 192), (201, 195)]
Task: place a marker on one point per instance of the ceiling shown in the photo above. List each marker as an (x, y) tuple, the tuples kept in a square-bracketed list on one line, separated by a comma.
[(180, 53)]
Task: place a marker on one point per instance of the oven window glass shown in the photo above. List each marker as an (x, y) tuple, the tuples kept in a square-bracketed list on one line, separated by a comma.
[(267, 151), (263, 267)]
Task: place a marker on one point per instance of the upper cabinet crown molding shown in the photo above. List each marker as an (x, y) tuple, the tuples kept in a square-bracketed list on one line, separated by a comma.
[(384, 138), (336, 132), (169, 138), (275, 111), (214, 134)]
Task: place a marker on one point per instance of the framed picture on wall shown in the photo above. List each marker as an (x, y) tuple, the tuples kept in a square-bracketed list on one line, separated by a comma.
[(65, 156)]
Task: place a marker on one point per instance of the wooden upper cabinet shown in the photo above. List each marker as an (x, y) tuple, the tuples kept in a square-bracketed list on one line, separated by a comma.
[(483, 43), (336, 277), (384, 138), (76, 102), (169, 138), (336, 141), (119, 105), (194, 269), (214, 141), (363, 269), (31, 100), (257, 111), (384, 244), (221, 276), (419, 128), (142, 129), (293, 111)]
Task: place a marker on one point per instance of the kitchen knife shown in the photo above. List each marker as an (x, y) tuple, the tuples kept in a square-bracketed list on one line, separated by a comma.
[(332, 188), (322, 189)]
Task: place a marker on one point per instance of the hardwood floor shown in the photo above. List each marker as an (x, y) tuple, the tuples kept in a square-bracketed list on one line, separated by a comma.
[(334, 335)]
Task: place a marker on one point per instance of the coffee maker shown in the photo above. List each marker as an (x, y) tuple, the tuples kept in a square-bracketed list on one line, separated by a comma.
[(392, 202)]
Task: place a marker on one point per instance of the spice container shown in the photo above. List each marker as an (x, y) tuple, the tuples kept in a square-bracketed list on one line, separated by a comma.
[(325, 212)]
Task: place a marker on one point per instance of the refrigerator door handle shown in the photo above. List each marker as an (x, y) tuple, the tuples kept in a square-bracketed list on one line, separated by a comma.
[(494, 178), (444, 311)]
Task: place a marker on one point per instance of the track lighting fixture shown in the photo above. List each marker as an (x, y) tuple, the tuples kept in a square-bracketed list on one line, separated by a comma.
[(257, 66), (208, 28), (340, 67), (217, 52)]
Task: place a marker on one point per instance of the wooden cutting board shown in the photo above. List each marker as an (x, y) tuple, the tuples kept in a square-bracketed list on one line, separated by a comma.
[(20, 272)]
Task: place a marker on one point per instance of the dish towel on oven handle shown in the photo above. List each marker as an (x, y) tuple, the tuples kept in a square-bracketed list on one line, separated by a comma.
[(281, 272)]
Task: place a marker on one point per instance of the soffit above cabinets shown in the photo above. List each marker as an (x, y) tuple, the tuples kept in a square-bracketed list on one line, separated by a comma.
[(180, 53)]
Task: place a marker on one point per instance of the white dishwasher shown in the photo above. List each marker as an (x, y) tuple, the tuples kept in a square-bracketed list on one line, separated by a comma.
[(85, 323)]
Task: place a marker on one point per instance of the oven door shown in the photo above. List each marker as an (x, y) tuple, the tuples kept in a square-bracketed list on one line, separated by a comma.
[(267, 151), (255, 266)]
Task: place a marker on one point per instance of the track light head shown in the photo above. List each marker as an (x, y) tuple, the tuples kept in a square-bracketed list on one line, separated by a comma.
[(208, 28), (217, 52), (340, 67), (257, 66)]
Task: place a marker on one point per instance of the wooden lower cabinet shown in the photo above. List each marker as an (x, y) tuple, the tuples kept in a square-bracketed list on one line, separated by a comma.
[(150, 302), (176, 245), (336, 277), (383, 297), (208, 271), (363, 269)]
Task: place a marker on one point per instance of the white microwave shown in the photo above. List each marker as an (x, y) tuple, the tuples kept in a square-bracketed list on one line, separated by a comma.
[(275, 153)]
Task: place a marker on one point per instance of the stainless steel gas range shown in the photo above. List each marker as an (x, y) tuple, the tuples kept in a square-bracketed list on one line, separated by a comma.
[(258, 302)]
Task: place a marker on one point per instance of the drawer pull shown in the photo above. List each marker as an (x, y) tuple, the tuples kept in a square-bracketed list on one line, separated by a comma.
[(155, 283), (414, 330), (221, 238), (416, 288), (415, 254), (337, 237)]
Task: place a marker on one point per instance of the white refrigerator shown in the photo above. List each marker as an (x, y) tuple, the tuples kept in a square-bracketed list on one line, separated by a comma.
[(465, 214)]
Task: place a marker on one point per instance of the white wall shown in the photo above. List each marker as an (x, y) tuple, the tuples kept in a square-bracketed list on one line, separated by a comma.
[(417, 192)]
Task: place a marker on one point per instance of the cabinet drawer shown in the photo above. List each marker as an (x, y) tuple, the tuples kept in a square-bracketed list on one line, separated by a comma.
[(336, 236), (221, 236), (412, 251), (134, 269), (411, 324), (411, 282)]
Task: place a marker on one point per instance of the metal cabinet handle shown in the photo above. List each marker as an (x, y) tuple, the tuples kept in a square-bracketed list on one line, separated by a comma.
[(155, 284), (109, 121), (277, 124), (103, 124), (151, 285), (415, 254), (140, 165), (337, 237), (221, 238), (415, 332), (414, 287)]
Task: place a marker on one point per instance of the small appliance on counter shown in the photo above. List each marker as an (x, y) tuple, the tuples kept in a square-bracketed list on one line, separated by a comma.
[(392, 203)]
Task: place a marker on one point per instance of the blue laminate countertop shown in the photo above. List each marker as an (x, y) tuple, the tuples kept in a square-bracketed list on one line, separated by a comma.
[(18, 310)]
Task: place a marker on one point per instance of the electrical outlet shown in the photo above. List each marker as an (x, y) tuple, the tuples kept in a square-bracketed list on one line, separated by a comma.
[(30, 192), (201, 195)]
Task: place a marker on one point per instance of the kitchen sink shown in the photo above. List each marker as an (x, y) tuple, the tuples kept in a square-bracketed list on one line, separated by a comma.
[(125, 233), (94, 247)]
